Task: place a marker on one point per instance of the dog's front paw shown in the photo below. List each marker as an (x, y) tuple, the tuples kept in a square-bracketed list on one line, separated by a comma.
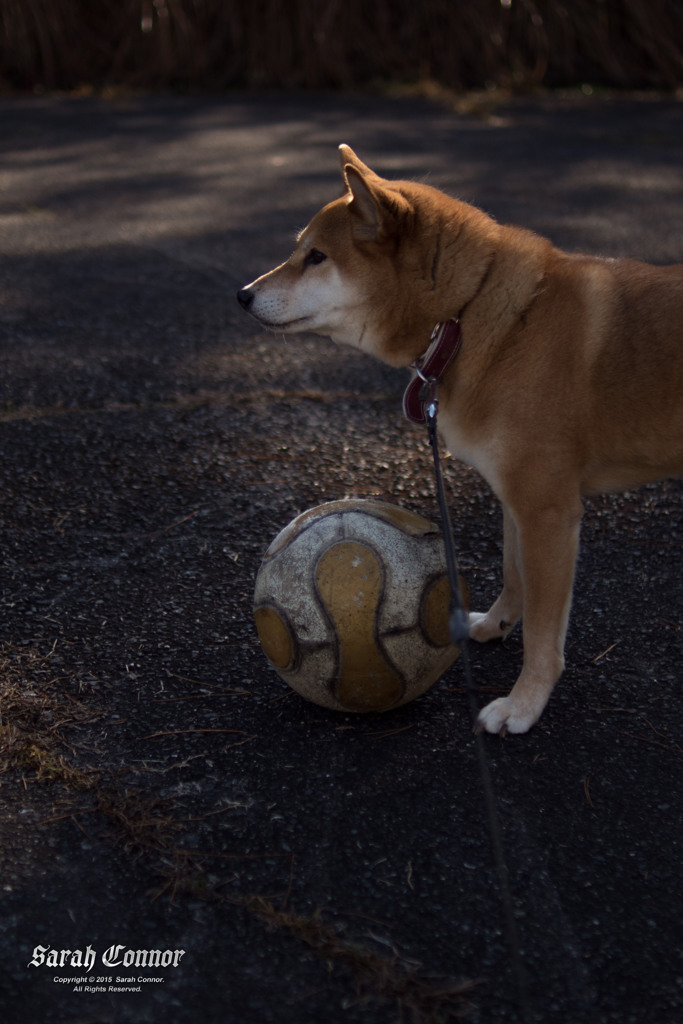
[(483, 628), (506, 715)]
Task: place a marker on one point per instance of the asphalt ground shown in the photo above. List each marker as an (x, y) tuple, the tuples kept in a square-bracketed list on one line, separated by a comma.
[(162, 788)]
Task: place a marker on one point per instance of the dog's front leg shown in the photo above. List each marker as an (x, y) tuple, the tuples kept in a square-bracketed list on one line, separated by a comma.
[(505, 613), (548, 540)]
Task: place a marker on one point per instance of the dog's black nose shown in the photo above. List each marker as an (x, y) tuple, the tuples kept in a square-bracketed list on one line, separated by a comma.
[(245, 297)]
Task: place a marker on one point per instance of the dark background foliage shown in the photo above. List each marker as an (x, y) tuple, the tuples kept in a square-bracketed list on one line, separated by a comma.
[(323, 44)]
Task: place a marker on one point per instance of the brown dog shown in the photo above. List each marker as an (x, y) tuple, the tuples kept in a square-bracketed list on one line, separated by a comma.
[(569, 380)]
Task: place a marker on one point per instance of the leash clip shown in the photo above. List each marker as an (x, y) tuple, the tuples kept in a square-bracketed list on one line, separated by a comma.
[(428, 394)]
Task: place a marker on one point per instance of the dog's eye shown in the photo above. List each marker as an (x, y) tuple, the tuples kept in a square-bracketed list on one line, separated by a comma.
[(314, 257)]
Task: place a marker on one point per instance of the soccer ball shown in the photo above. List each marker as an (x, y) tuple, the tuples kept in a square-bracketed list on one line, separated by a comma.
[(351, 605)]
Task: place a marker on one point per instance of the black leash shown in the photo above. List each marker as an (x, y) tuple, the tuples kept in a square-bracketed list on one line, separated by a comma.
[(458, 629)]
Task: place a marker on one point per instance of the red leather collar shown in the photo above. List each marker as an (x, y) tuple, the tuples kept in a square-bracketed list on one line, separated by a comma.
[(443, 347)]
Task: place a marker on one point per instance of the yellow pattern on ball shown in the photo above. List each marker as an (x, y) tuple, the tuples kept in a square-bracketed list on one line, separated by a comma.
[(349, 580), (275, 637)]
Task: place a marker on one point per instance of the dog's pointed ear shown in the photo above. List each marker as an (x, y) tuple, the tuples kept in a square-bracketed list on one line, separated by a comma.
[(348, 157), (363, 206), (374, 208)]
